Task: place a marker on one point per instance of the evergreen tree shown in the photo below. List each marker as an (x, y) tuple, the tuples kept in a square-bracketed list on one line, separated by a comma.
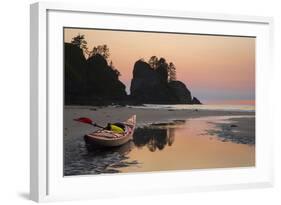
[(172, 72), (80, 41), (153, 62), (103, 50)]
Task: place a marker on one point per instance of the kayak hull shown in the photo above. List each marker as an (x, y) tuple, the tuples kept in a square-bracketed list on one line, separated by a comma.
[(107, 138), (105, 142)]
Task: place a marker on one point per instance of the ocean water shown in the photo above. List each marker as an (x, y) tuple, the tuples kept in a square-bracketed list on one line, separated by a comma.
[(242, 108)]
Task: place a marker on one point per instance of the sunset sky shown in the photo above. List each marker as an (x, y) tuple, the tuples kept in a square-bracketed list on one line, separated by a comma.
[(216, 69)]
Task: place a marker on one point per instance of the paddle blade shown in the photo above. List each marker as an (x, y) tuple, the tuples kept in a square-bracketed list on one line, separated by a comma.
[(84, 120)]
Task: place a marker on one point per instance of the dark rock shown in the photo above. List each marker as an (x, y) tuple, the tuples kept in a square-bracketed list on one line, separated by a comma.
[(104, 81), (162, 73), (233, 125), (182, 94), (75, 69), (195, 101), (147, 86), (142, 70), (152, 86), (85, 79)]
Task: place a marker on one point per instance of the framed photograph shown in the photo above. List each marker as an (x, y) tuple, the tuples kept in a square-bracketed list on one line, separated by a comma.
[(127, 102)]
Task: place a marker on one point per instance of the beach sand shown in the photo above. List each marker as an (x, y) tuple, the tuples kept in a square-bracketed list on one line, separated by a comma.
[(103, 115), (234, 128), (238, 128)]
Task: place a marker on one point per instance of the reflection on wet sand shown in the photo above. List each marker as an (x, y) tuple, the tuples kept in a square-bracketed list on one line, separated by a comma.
[(184, 145), (176, 145), (154, 138)]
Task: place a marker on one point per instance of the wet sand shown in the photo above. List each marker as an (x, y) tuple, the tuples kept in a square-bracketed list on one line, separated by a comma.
[(239, 130), (164, 140), (102, 115)]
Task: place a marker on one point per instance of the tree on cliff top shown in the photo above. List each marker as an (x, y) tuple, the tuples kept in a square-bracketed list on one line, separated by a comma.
[(117, 72), (80, 41), (103, 50), (172, 72), (156, 63), (153, 62)]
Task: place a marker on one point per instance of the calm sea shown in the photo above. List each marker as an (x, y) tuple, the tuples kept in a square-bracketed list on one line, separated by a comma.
[(247, 108)]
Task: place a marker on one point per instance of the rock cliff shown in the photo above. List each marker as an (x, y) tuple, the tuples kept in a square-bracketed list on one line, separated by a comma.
[(90, 81), (151, 86)]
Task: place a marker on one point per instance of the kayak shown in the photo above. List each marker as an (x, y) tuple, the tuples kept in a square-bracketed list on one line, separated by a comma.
[(107, 138)]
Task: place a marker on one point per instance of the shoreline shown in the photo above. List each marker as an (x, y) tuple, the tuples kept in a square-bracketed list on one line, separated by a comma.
[(144, 115)]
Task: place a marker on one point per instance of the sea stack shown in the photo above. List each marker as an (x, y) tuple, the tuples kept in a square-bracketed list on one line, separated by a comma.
[(151, 86)]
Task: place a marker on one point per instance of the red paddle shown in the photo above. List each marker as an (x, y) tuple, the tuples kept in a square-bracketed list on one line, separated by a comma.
[(88, 121)]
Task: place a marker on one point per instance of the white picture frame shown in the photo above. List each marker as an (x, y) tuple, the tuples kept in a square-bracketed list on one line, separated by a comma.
[(46, 177)]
